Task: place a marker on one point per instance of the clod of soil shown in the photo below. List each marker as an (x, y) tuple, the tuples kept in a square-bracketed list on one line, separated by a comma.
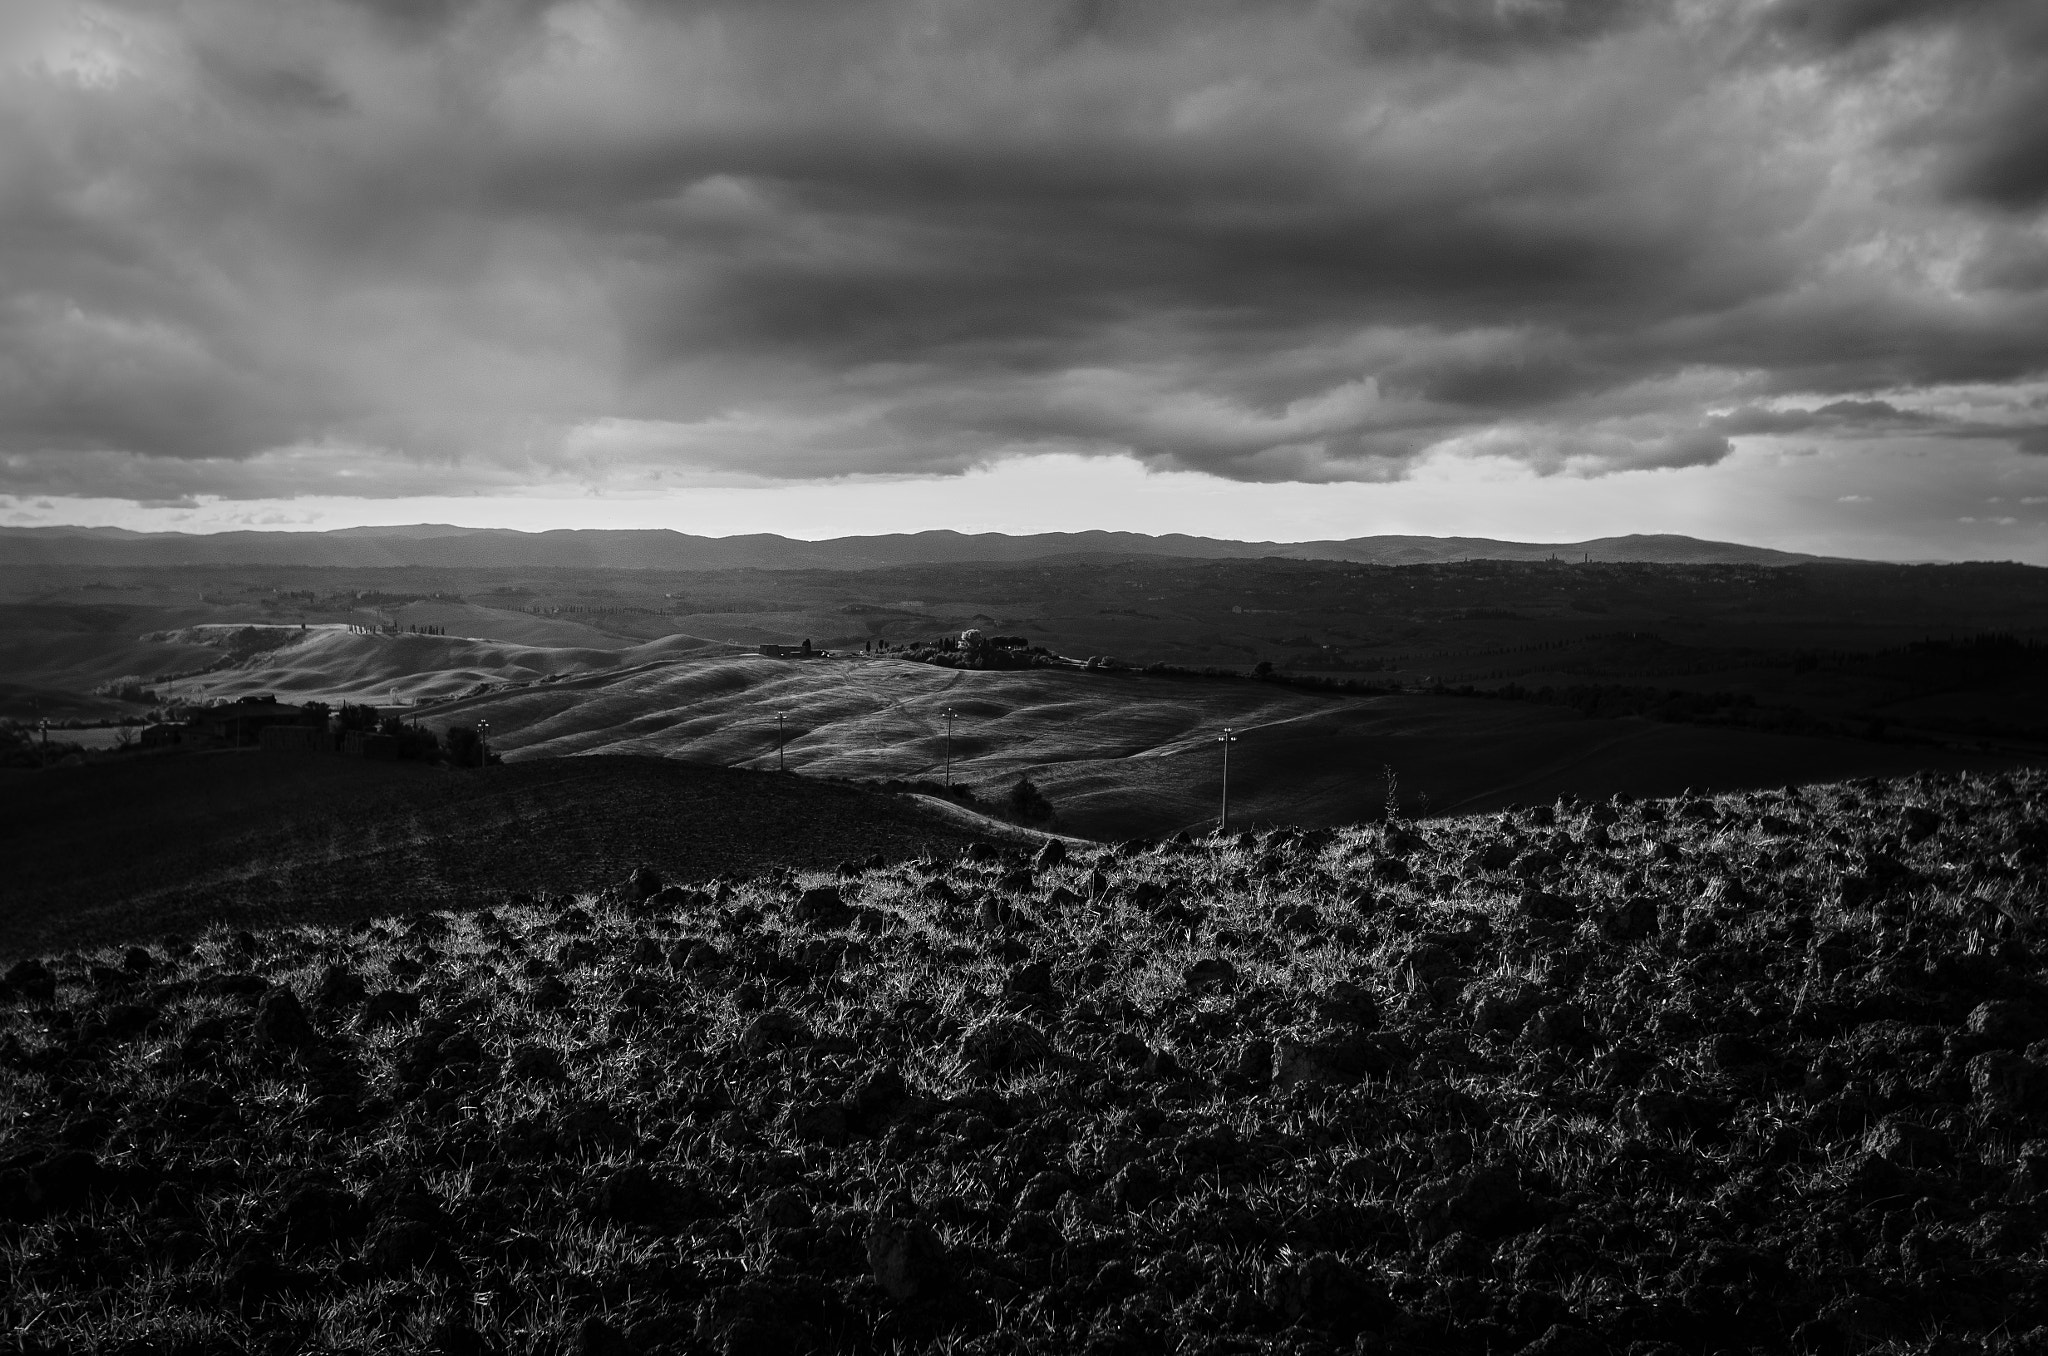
[(1247, 1094)]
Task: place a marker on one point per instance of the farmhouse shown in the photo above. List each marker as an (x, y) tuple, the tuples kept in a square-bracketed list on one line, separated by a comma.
[(242, 722), (369, 744), (293, 740), (160, 735)]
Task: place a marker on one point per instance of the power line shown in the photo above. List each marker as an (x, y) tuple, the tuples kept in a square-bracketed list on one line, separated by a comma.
[(950, 716), (1226, 739)]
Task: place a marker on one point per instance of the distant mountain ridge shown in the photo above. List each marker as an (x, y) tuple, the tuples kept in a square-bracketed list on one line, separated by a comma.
[(446, 546)]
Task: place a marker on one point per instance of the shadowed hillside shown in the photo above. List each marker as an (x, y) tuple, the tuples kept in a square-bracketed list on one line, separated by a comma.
[(138, 847), (1804, 644), (1133, 755)]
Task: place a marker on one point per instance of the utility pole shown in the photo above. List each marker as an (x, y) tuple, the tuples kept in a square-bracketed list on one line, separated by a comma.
[(950, 715), (1226, 739), (780, 765)]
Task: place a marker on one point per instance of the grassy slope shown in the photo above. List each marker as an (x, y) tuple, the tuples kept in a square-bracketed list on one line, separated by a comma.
[(1755, 1075), (507, 625), (148, 845), (1130, 755), (339, 666), (52, 657)]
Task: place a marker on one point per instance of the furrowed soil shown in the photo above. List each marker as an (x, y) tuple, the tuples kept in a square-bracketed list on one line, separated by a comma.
[(135, 847), (1748, 1072)]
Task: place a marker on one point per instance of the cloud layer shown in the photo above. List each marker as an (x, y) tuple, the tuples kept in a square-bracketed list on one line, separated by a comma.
[(258, 248)]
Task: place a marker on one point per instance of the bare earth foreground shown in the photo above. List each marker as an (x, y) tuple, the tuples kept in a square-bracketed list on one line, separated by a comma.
[(1751, 1072)]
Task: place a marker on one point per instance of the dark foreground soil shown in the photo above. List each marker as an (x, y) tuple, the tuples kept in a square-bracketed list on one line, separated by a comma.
[(1760, 1072), (129, 849)]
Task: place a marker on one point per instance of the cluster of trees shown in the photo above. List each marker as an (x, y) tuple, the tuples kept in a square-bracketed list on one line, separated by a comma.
[(1027, 804), (129, 689), (614, 610), (458, 745), (464, 747), (25, 746), (973, 650)]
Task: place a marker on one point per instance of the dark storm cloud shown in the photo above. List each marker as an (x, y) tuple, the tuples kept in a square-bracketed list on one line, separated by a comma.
[(917, 249), (423, 247), (1877, 419), (412, 20), (1871, 415), (1990, 121), (270, 88), (2008, 162), (1844, 23), (1489, 29)]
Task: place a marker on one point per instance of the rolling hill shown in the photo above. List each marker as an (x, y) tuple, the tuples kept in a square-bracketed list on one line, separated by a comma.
[(624, 661), (442, 546), (333, 663), (1819, 644), (1119, 754)]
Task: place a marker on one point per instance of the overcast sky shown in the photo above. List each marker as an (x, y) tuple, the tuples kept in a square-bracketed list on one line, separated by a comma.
[(1776, 272)]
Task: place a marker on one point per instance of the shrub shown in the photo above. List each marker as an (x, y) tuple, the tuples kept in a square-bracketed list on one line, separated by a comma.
[(414, 743), (465, 748), (127, 689), (354, 717), (1027, 803)]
